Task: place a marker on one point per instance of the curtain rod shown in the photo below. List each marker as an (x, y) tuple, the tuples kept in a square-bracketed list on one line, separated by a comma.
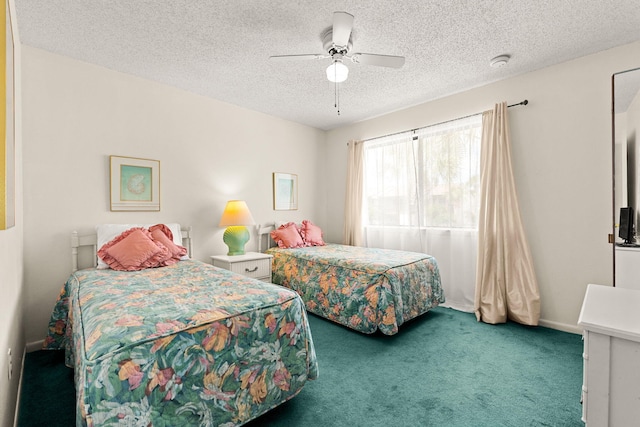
[(525, 102)]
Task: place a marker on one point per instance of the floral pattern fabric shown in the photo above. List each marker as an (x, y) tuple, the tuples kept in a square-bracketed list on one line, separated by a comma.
[(184, 345), (366, 289)]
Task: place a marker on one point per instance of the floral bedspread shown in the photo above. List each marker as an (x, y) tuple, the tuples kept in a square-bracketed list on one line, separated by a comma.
[(365, 289), (183, 345)]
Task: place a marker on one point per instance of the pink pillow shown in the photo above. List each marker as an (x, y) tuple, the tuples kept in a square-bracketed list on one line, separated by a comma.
[(287, 236), (162, 234), (134, 250), (311, 234)]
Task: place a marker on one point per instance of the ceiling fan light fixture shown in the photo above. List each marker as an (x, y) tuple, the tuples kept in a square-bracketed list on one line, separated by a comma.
[(337, 72)]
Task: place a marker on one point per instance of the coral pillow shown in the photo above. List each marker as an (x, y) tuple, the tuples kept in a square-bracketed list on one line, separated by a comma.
[(108, 232), (311, 234), (287, 236), (162, 234), (134, 250)]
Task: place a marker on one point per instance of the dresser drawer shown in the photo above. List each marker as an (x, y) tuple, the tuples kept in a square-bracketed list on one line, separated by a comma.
[(257, 269)]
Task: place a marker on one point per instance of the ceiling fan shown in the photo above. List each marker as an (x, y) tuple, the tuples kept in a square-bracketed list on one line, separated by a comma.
[(336, 41)]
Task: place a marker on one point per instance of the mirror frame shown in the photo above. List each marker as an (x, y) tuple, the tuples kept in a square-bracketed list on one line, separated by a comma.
[(613, 235)]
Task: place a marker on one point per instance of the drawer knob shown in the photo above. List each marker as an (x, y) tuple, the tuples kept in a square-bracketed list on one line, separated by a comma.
[(252, 270)]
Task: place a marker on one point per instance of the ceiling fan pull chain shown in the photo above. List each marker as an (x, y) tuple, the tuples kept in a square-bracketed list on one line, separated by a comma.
[(336, 95)]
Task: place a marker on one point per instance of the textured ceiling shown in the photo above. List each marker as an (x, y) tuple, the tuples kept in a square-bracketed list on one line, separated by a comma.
[(220, 49)]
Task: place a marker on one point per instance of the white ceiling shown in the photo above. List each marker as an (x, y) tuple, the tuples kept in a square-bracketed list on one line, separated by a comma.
[(221, 48)]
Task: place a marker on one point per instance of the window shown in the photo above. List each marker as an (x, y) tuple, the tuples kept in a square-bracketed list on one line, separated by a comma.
[(424, 178)]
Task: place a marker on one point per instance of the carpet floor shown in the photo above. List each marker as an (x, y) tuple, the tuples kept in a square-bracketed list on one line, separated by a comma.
[(442, 369)]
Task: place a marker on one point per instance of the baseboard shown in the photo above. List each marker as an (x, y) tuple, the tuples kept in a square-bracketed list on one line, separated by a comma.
[(17, 412), (34, 346), (574, 329)]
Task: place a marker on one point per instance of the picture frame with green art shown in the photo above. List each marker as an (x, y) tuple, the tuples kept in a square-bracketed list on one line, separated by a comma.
[(285, 191), (135, 184)]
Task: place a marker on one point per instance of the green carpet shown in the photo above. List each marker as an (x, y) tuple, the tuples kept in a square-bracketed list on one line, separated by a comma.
[(443, 369)]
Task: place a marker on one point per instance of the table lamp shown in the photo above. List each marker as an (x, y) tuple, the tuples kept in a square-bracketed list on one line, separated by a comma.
[(235, 217)]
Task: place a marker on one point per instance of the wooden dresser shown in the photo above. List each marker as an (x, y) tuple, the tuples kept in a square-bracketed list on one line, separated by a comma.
[(610, 318)]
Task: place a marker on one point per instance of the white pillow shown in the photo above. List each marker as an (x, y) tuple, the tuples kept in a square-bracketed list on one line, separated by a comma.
[(108, 232)]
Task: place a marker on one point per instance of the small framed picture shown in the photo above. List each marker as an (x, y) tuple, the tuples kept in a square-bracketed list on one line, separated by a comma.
[(135, 184), (285, 191)]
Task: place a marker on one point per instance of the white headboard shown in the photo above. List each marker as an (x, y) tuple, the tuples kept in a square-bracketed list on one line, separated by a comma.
[(264, 235), (92, 240)]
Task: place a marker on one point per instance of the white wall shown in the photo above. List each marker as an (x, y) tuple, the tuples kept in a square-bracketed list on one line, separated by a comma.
[(11, 272), (562, 160), (77, 114)]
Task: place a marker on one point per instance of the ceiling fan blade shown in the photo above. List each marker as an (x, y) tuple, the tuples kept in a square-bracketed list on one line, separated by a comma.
[(378, 60), (342, 26), (295, 57)]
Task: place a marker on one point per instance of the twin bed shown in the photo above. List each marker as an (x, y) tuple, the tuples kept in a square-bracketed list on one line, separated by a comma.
[(193, 345), (186, 344), (365, 289)]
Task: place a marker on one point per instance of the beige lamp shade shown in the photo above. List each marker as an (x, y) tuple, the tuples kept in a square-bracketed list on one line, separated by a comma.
[(236, 213)]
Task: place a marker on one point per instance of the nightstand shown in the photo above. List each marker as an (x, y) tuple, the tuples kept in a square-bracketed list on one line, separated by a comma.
[(252, 264)]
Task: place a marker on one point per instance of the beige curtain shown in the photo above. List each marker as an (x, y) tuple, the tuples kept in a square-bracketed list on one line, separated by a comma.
[(506, 285), (353, 199)]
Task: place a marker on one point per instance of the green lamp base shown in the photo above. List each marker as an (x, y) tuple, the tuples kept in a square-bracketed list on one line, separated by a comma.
[(235, 237)]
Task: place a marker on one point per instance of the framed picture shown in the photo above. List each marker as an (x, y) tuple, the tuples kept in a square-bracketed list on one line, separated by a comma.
[(285, 191), (7, 147), (135, 184)]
